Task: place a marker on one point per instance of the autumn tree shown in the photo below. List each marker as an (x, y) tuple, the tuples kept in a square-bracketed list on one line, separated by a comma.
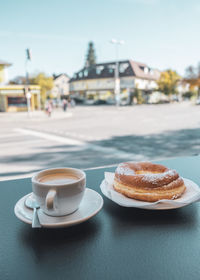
[(90, 56), (168, 81), (138, 96), (193, 77), (45, 83)]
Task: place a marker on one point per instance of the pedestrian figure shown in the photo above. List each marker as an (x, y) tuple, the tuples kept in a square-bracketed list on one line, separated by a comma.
[(73, 103), (64, 105), (46, 107), (49, 108), (69, 102)]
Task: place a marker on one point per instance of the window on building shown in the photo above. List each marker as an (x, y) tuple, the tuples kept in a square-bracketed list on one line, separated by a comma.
[(99, 69), (123, 67), (17, 101), (98, 72), (111, 68), (146, 70), (85, 72), (151, 71)]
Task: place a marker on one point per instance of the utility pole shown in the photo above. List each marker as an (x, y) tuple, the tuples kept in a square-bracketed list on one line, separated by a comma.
[(28, 93), (117, 43)]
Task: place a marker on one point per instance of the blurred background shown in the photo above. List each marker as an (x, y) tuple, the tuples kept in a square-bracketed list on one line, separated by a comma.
[(94, 83)]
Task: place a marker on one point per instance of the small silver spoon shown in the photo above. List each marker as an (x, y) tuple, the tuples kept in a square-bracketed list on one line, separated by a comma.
[(31, 203)]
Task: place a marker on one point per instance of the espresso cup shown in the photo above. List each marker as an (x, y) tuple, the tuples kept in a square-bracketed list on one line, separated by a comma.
[(59, 191)]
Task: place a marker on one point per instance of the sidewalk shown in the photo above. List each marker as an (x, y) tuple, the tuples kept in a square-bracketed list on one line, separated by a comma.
[(35, 115)]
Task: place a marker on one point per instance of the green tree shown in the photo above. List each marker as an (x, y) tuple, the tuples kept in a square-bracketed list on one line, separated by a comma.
[(45, 83), (90, 56), (168, 81)]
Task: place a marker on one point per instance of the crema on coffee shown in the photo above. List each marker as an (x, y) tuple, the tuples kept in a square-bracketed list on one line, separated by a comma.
[(58, 179)]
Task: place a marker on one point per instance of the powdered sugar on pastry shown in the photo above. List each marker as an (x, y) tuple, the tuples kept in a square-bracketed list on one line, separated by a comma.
[(147, 181), (122, 169), (155, 178)]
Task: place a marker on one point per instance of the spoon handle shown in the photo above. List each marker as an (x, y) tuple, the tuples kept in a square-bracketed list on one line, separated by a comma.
[(35, 221)]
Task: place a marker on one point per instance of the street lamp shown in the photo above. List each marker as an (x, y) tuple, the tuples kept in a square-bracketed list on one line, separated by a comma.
[(117, 43), (28, 93)]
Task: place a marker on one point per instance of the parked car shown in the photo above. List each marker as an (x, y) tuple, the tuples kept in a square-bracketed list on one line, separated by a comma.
[(89, 102), (198, 101), (110, 101), (78, 100), (100, 102), (174, 98)]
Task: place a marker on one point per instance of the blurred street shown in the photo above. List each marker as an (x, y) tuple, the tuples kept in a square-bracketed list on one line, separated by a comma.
[(87, 137)]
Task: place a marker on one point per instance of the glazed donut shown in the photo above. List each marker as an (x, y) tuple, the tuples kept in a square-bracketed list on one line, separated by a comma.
[(147, 181)]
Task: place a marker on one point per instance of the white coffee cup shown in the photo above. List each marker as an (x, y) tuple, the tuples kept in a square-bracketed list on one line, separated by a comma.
[(59, 191)]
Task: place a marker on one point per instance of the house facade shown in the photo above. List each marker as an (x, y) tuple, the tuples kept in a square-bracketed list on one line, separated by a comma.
[(61, 86), (100, 78), (13, 98), (3, 72)]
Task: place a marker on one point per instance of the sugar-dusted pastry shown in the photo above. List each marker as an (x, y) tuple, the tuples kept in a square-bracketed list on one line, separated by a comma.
[(147, 181)]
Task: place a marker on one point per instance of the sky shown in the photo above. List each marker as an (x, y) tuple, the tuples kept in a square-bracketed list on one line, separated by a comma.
[(161, 33)]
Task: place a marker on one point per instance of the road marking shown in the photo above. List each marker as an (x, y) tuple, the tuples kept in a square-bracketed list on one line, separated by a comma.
[(50, 137), (106, 150), (15, 177), (8, 135)]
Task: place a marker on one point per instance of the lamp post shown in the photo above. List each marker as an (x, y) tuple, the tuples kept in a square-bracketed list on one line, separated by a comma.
[(28, 94), (117, 43)]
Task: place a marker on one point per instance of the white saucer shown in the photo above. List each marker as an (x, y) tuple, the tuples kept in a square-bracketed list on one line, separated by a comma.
[(90, 205), (192, 194)]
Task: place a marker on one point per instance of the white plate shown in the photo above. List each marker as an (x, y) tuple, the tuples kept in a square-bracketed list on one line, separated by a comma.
[(90, 205), (192, 194)]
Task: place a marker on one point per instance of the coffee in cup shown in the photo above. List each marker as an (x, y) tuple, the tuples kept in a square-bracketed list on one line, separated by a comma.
[(57, 179), (59, 191)]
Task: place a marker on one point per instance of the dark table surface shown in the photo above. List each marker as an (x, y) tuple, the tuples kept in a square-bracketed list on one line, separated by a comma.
[(118, 243)]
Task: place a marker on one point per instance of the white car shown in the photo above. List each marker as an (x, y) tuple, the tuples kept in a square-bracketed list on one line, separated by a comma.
[(198, 101)]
